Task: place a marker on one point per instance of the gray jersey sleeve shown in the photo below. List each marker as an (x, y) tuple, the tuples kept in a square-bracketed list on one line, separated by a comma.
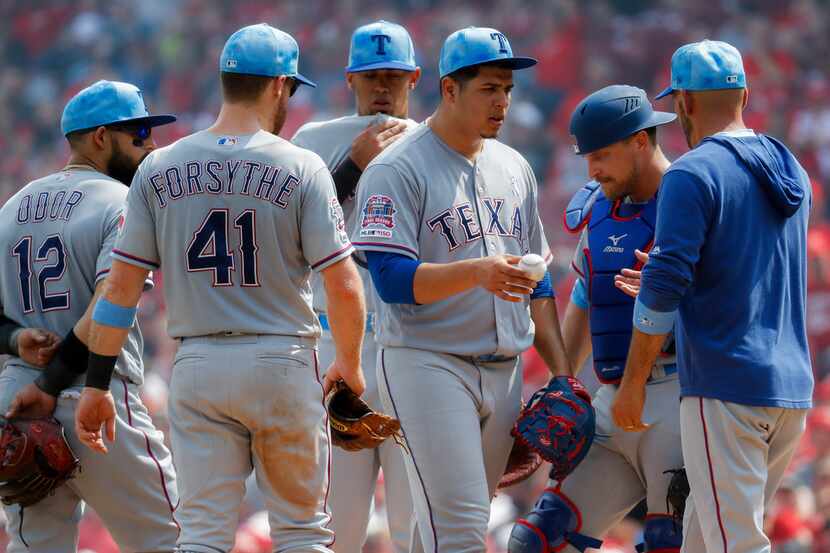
[(136, 243), (390, 212), (322, 226), (299, 139), (112, 227), (112, 224)]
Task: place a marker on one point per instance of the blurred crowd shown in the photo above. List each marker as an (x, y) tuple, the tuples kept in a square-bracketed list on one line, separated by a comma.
[(170, 48)]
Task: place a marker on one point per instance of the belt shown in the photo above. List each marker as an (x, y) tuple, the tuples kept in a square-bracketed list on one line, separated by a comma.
[(490, 358), (233, 337), (662, 371), (218, 335), (370, 322)]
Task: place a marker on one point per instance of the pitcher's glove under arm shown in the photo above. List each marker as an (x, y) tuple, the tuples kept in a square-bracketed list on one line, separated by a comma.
[(677, 493), (354, 425), (35, 459)]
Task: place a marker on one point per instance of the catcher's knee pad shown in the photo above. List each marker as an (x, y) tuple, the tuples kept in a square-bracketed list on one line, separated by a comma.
[(662, 533), (553, 523)]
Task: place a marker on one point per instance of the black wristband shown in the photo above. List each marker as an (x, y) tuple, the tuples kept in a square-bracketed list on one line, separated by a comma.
[(345, 178), (73, 352), (99, 370), (69, 361), (7, 328)]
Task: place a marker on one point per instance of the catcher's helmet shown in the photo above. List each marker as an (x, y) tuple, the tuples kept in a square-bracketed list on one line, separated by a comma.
[(611, 114)]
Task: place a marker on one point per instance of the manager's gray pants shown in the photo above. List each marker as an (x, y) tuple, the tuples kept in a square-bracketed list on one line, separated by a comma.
[(735, 458)]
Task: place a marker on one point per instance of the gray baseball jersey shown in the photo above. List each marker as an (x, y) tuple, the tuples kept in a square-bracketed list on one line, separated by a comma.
[(237, 223), (354, 475), (422, 199), (58, 232), (332, 140)]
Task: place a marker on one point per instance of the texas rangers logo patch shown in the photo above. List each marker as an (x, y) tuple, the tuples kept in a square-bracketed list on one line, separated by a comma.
[(378, 216)]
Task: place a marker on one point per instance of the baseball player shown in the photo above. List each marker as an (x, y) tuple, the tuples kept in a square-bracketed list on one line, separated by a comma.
[(59, 232), (381, 73), (728, 269), (237, 218), (615, 130), (445, 214)]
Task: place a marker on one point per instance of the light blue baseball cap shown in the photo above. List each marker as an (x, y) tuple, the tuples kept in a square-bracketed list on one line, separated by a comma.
[(476, 45), (106, 103), (262, 50), (706, 65), (381, 45)]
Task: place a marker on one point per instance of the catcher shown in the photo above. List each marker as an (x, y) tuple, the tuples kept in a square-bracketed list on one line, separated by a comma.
[(60, 230), (615, 129)]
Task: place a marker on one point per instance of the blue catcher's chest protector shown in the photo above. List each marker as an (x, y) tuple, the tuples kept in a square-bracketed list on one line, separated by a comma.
[(615, 230)]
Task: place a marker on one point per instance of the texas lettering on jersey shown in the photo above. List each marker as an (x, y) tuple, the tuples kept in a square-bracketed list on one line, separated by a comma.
[(461, 221)]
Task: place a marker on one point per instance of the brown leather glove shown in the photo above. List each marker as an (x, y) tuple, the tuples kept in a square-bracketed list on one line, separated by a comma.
[(354, 425)]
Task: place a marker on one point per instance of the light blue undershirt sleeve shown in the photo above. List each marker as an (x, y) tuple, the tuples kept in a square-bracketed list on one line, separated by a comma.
[(579, 296)]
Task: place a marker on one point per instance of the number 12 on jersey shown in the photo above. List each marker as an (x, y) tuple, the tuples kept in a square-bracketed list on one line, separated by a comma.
[(209, 249), (23, 252)]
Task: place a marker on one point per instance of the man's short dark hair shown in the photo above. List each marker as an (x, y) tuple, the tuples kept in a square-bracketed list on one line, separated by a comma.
[(466, 74), (76, 137), (241, 87), (651, 132)]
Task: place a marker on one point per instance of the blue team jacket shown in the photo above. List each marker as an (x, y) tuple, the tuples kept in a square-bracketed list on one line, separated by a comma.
[(730, 257)]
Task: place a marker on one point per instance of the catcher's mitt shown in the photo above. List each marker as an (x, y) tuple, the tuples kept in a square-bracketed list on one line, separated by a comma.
[(354, 425), (35, 459), (677, 493), (521, 465), (558, 424)]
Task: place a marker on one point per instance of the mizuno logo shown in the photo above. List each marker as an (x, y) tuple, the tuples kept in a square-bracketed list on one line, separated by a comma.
[(616, 248), (616, 239)]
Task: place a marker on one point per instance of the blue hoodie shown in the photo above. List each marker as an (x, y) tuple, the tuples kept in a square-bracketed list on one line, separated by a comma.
[(730, 259)]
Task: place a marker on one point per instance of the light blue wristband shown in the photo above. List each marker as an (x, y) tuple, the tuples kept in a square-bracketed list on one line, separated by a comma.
[(109, 314), (649, 321)]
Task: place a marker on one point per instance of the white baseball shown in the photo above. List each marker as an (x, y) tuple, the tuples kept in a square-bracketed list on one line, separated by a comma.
[(534, 266)]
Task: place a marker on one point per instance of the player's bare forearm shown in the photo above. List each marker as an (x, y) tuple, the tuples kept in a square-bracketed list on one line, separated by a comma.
[(642, 353), (629, 401), (83, 325), (497, 274), (123, 287), (439, 281), (576, 332), (346, 309), (548, 338)]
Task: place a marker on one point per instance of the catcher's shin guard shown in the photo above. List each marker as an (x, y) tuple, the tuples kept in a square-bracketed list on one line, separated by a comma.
[(662, 534), (553, 523)]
